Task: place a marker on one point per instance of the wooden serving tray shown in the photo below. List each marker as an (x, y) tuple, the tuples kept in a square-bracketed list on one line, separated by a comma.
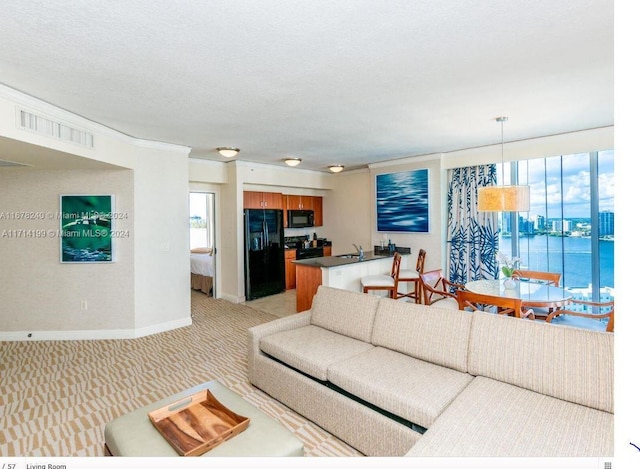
[(197, 423)]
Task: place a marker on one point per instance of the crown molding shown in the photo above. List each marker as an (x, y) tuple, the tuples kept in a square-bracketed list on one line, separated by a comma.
[(407, 160)]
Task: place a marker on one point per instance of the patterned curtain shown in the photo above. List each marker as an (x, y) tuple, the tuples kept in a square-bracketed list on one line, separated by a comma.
[(472, 236)]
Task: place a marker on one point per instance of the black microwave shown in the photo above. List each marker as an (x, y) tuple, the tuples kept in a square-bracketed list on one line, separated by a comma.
[(300, 218)]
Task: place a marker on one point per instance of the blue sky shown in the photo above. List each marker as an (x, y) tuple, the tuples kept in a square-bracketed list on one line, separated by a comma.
[(572, 192)]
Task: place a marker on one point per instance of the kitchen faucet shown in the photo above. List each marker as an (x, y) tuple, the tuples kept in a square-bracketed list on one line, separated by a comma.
[(360, 252)]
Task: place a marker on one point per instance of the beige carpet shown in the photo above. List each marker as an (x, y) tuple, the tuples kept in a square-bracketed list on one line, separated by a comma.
[(57, 396)]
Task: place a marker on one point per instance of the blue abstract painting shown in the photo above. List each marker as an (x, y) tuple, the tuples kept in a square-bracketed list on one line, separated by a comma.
[(402, 201)]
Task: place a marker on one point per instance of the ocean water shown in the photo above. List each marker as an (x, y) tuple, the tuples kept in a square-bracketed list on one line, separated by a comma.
[(569, 255)]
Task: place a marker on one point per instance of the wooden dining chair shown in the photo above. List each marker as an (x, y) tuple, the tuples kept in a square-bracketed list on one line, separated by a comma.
[(591, 315), (413, 277), (547, 278), (384, 282), (437, 290), (470, 301), (550, 278)]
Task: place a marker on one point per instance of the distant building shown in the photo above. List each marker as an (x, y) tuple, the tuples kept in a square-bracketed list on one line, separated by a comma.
[(506, 223), (605, 223), (561, 226), (526, 226)]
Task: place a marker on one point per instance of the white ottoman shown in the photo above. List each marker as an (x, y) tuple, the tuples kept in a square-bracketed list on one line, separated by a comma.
[(133, 434)]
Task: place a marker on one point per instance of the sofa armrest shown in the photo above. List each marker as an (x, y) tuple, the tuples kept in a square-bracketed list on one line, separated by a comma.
[(256, 333)]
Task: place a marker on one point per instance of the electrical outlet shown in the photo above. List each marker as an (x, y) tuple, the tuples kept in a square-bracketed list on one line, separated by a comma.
[(84, 305)]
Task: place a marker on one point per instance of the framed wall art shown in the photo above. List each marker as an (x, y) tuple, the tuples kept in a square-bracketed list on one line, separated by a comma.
[(402, 201), (86, 228)]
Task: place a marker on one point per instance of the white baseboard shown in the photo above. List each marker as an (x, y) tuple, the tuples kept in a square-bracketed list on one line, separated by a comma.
[(16, 336), (232, 299)]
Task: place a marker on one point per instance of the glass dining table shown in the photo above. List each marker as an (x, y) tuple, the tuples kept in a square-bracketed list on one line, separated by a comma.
[(532, 294)]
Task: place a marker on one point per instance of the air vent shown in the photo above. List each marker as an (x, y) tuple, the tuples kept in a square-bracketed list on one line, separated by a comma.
[(43, 126), (9, 164)]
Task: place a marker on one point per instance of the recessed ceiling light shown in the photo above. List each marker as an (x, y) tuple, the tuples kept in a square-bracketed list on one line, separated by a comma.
[(336, 168), (292, 161), (228, 152)]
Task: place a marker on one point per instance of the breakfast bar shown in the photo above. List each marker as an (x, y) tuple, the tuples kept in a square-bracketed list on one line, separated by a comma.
[(342, 272)]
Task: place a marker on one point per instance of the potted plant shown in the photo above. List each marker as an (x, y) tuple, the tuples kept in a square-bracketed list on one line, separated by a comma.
[(509, 266)]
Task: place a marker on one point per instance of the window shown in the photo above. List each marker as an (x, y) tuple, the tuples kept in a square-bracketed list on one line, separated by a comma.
[(201, 220), (570, 225)]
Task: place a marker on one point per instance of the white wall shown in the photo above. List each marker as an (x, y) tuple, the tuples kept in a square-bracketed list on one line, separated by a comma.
[(563, 144), (40, 295), (146, 289), (433, 241), (347, 212), (162, 267), (231, 255)]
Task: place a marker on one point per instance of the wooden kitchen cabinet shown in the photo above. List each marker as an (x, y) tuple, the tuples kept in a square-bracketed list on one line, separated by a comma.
[(271, 200), (304, 202), (286, 202), (299, 202), (289, 269), (317, 212), (308, 279)]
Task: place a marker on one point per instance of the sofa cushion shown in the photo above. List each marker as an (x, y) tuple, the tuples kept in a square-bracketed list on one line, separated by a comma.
[(405, 386), (572, 364), (311, 349), (344, 312), (437, 335), (491, 418)]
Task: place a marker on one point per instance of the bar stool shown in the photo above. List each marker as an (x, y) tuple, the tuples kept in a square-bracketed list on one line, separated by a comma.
[(384, 282), (413, 276)]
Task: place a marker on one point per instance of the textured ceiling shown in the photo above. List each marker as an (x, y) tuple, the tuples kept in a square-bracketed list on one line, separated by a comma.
[(351, 82)]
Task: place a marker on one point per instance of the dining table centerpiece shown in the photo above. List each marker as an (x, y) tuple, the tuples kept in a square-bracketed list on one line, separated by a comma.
[(509, 266)]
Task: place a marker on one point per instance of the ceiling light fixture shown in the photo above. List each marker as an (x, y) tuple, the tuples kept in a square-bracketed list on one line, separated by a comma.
[(228, 152), (336, 168), (292, 161), (503, 198)]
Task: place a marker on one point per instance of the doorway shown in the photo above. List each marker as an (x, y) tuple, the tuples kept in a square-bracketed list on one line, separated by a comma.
[(202, 233)]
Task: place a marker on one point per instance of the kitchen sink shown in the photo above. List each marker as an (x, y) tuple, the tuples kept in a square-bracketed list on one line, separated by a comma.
[(348, 256)]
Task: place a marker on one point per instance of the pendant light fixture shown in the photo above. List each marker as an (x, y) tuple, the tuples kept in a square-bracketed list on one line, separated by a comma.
[(503, 198)]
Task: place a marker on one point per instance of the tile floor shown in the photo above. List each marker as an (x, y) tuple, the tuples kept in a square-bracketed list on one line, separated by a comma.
[(280, 305), (284, 304)]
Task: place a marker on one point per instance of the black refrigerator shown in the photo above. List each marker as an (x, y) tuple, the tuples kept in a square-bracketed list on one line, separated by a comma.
[(263, 253)]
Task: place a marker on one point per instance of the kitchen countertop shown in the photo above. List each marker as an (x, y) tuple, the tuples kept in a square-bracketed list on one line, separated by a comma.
[(338, 261)]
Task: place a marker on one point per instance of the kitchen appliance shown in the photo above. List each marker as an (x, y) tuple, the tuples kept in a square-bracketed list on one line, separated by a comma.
[(300, 218), (263, 253), (309, 253)]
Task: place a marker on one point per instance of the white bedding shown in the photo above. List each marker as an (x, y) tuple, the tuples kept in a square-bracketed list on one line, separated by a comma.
[(202, 264)]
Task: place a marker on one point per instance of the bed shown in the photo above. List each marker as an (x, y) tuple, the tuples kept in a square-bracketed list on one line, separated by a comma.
[(202, 270)]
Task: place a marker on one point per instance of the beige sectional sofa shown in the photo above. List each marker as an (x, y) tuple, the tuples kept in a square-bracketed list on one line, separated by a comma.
[(392, 378)]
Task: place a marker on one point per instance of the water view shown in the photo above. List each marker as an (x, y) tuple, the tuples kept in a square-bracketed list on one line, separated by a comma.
[(569, 255)]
